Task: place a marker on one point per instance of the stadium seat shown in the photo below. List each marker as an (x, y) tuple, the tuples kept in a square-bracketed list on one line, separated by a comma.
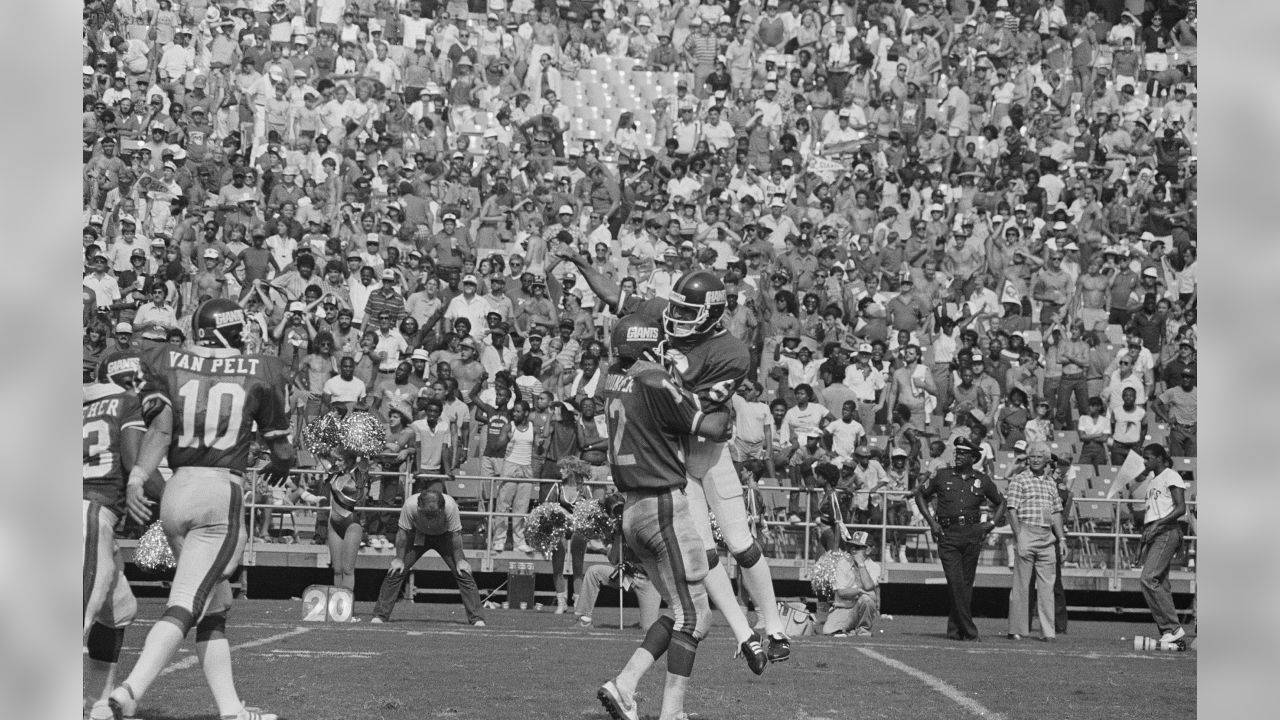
[(1184, 464), (1079, 484)]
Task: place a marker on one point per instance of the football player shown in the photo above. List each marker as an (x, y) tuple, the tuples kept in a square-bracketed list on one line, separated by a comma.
[(712, 363), (650, 423), (212, 396), (112, 430)]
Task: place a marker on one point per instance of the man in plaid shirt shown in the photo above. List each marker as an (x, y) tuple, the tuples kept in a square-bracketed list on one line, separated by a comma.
[(1035, 517)]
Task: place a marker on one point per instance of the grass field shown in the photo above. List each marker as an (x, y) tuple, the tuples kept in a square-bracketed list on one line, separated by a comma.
[(428, 663)]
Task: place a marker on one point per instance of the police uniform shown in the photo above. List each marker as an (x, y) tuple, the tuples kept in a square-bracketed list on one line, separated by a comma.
[(960, 495)]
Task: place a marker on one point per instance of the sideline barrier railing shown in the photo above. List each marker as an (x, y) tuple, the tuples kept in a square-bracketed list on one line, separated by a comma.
[(1100, 531)]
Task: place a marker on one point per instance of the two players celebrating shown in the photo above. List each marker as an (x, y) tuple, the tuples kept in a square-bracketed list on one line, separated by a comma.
[(666, 404)]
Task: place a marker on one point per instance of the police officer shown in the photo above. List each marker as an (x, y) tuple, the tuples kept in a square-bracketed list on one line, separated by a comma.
[(957, 529)]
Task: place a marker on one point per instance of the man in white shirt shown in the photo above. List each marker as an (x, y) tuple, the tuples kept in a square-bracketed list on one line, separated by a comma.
[(866, 382), (344, 388), (846, 432), (471, 306), (718, 132), (806, 417)]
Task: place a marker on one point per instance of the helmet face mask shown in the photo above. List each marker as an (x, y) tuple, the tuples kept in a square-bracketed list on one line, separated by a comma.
[(697, 302)]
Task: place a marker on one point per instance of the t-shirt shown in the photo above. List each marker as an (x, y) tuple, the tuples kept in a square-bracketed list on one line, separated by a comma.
[(1159, 499), (804, 420), (845, 436), (1127, 424), (347, 391), (414, 521), (1181, 404)]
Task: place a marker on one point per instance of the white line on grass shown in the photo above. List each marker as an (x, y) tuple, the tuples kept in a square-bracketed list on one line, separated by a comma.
[(191, 660), (943, 687)]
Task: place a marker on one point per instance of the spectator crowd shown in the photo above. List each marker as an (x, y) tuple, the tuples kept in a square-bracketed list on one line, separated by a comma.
[(933, 217)]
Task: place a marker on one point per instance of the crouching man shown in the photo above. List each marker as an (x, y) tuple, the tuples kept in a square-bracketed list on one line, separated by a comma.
[(856, 606)]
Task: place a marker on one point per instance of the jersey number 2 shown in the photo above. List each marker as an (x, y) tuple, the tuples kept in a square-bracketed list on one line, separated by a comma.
[(222, 407), (618, 413)]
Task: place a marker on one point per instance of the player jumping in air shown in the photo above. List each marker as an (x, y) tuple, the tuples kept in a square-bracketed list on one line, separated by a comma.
[(211, 397)]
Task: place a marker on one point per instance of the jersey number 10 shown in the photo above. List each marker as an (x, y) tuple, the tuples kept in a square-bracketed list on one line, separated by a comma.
[(220, 406)]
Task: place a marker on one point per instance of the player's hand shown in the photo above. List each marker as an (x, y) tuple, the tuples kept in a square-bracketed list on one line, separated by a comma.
[(464, 567), (397, 567), (138, 504)]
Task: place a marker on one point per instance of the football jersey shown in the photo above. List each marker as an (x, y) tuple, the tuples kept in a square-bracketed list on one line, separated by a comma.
[(109, 411), (711, 367), (218, 395), (650, 420)]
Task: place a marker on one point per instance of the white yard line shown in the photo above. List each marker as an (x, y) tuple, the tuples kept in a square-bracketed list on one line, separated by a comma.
[(941, 686), (192, 660)]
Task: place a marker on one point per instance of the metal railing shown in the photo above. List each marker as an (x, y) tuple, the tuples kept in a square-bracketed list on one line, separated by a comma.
[(1101, 529)]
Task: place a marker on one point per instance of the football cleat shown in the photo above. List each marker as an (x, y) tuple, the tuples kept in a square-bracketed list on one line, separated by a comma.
[(618, 708), (779, 648), (753, 651)]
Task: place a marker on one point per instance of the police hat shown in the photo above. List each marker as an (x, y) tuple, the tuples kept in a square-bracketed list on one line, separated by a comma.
[(964, 443)]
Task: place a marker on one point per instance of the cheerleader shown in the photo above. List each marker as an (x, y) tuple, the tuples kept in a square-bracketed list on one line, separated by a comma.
[(348, 486), (568, 492)]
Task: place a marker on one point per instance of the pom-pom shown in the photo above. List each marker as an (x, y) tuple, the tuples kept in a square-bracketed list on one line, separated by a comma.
[(363, 435), (592, 520), (322, 435), (153, 551), (547, 527), (824, 573), (572, 468)]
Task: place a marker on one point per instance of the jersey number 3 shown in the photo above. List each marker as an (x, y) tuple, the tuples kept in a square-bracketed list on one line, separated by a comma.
[(218, 409), (97, 449)]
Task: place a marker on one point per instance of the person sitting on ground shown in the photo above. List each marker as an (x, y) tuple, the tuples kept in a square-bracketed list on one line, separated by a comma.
[(856, 605)]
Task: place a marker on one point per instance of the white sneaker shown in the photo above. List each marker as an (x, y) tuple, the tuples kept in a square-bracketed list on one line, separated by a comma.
[(478, 623), (376, 621), (584, 621), (617, 706), (902, 555), (1174, 636), (100, 711), (523, 548)]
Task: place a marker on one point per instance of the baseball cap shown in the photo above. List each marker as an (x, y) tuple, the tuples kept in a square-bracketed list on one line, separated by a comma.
[(210, 253), (420, 354), (448, 216), (564, 210), (865, 348), (388, 274), (297, 306), (1020, 446), (470, 279), (897, 453), (138, 253), (858, 538), (124, 327), (1150, 272)]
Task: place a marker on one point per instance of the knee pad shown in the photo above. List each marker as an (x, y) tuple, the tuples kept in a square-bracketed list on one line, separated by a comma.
[(749, 557), (211, 627), (105, 643), (682, 652), (658, 636), (713, 558)]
